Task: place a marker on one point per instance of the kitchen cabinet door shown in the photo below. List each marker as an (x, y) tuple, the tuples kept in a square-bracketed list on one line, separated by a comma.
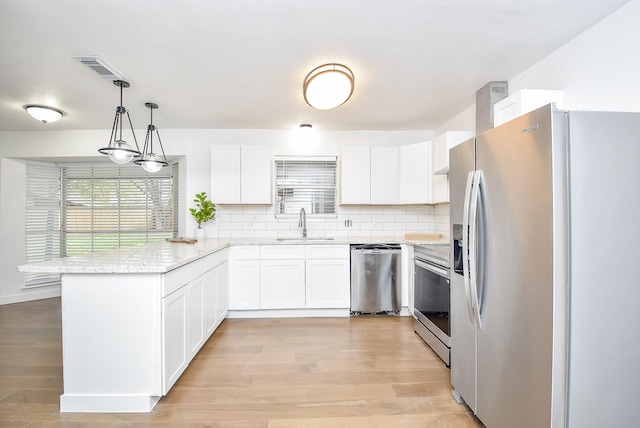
[(222, 289), (174, 326), (282, 284), (195, 316), (244, 287), (385, 175), (415, 173), (216, 299), (225, 174), (241, 174), (355, 175), (255, 175), (327, 283), (210, 301)]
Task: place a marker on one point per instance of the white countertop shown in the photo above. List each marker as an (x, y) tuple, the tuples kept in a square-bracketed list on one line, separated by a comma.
[(161, 257), (157, 257)]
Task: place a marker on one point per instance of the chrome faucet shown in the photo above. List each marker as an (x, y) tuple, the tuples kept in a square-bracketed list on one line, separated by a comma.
[(303, 222)]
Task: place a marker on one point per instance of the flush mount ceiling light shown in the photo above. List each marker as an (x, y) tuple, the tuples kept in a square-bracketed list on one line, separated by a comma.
[(150, 161), (118, 149), (328, 86), (43, 114)]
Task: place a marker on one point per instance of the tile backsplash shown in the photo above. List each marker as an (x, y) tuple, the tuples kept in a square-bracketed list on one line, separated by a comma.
[(249, 221)]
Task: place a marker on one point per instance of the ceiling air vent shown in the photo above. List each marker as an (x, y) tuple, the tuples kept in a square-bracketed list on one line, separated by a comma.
[(99, 66)]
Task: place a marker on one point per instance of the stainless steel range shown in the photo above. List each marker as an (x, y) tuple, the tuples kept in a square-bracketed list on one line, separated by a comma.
[(432, 297)]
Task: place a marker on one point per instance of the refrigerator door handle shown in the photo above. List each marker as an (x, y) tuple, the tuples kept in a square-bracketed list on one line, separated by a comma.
[(474, 290), (465, 245)]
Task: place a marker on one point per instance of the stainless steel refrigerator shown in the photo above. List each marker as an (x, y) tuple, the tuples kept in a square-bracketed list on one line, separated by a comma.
[(545, 213)]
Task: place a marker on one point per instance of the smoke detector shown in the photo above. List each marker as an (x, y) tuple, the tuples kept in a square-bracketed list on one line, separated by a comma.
[(99, 66)]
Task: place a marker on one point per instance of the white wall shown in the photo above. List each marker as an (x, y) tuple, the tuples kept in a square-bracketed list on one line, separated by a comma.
[(597, 70)]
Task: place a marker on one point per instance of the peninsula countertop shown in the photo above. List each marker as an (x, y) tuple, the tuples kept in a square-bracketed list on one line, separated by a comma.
[(162, 257)]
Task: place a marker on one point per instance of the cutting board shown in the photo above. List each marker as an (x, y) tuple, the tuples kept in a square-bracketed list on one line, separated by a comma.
[(182, 240), (422, 236)]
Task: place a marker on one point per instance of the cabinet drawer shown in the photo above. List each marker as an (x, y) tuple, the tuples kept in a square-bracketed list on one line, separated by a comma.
[(327, 251), (245, 252), (276, 252)]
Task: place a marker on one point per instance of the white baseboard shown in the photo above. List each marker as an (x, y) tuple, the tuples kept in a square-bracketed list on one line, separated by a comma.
[(30, 295)]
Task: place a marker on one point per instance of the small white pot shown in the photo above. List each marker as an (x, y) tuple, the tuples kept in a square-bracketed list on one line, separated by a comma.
[(200, 233)]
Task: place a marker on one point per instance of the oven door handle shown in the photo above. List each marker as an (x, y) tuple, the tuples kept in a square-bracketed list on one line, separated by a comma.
[(431, 268)]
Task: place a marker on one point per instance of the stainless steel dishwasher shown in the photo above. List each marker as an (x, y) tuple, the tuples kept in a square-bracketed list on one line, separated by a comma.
[(375, 279)]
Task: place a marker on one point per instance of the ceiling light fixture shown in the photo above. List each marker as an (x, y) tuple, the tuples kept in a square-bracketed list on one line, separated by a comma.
[(150, 161), (43, 113), (118, 149), (306, 127), (328, 86)]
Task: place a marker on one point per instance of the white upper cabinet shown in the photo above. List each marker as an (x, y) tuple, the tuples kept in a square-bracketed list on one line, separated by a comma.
[(415, 174), (440, 155), (524, 101), (241, 174), (384, 175), (369, 175), (355, 175)]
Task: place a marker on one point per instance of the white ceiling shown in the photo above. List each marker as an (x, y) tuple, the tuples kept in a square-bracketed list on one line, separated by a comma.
[(241, 63)]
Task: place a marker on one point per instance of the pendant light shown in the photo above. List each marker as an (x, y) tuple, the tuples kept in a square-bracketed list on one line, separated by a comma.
[(118, 149), (328, 86), (150, 161)]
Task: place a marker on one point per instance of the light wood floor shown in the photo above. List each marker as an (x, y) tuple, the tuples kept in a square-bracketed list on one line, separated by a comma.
[(275, 373)]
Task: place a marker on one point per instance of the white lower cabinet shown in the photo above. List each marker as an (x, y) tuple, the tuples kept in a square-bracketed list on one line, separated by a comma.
[(222, 293), (282, 284), (244, 277), (327, 283), (191, 312), (174, 309), (272, 277), (215, 298), (195, 316)]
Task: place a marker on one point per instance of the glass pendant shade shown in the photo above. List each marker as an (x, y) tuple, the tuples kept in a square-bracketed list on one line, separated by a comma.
[(150, 161), (118, 150), (328, 86), (121, 152)]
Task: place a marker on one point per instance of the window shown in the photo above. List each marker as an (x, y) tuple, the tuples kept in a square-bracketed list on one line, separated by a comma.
[(79, 209), (42, 220), (308, 183)]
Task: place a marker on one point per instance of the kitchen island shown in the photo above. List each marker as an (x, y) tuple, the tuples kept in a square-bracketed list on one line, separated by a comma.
[(133, 318)]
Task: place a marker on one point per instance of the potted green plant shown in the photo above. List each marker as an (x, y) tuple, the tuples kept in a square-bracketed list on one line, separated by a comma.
[(204, 211)]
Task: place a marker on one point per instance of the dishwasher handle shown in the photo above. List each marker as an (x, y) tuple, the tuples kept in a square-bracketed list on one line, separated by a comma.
[(375, 248)]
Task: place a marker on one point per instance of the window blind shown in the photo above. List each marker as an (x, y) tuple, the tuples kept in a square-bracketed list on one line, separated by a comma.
[(306, 183), (79, 209), (42, 220), (108, 207)]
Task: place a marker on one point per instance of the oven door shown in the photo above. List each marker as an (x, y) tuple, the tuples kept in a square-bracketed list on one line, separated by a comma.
[(432, 299)]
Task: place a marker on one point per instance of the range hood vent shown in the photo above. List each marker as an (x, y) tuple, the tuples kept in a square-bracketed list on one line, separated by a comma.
[(99, 66), (486, 97)]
